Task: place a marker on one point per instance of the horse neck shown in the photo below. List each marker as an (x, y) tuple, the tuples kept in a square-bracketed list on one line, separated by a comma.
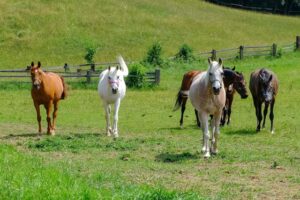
[(229, 76)]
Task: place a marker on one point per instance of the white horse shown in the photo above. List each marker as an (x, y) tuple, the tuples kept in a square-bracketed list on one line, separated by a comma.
[(208, 97), (112, 89)]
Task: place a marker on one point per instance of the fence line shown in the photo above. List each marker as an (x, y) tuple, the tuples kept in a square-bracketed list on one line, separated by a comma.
[(154, 77)]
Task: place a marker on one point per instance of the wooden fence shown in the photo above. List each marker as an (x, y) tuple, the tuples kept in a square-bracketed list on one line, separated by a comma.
[(89, 71), (242, 51), (83, 71)]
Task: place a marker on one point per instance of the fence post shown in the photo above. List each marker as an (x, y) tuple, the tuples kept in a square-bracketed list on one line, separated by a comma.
[(157, 76), (274, 49), (241, 52), (66, 67), (93, 67), (297, 42), (213, 54), (88, 76)]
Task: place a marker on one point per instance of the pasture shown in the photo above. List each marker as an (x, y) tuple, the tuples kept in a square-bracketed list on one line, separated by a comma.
[(153, 158)]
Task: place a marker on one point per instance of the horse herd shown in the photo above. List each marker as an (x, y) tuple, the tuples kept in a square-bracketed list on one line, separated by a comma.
[(211, 93)]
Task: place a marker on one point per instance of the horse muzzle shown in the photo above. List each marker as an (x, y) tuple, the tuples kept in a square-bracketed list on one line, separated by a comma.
[(114, 90), (216, 91), (37, 85), (244, 96)]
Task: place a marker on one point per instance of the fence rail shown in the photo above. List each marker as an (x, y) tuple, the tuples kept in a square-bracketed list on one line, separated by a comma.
[(247, 51), (152, 77), (89, 71)]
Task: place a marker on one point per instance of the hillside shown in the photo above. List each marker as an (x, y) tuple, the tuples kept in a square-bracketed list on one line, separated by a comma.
[(58, 31)]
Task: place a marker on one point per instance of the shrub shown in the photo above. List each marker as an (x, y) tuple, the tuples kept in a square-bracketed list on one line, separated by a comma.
[(185, 54), (137, 76), (90, 53), (154, 55)]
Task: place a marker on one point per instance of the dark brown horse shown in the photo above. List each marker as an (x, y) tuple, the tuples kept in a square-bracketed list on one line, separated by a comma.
[(264, 88), (231, 77), (233, 81), (47, 89)]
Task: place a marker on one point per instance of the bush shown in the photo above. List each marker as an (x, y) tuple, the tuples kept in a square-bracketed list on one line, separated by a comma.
[(137, 76), (154, 55), (185, 54), (89, 57)]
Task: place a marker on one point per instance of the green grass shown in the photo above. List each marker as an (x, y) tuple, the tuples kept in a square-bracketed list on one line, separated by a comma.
[(57, 32), (154, 158)]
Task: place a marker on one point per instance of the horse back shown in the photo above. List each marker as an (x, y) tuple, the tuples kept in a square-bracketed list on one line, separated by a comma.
[(188, 79)]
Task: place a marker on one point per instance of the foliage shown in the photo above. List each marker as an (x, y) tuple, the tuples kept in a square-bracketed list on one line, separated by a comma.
[(154, 55), (137, 76), (185, 54), (90, 53)]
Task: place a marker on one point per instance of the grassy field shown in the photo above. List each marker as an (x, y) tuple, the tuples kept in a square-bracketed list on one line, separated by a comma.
[(57, 32), (153, 158)]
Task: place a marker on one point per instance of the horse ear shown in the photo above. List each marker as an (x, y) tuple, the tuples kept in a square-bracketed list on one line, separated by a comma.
[(233, 68), (220, 61), (39, 64), (32, 64), (209, 60), (271, 76), (108, 68), (118, 67)]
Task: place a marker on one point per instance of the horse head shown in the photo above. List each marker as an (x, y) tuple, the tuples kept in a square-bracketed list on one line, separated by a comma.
[(36, 75), (239, 84), (215, 73), (265, 80)]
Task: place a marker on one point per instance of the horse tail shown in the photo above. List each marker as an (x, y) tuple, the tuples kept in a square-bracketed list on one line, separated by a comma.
[(178, 102), (123, 66), (65, 89)]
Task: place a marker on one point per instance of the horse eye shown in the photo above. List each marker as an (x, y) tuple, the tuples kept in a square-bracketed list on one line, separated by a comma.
[(109, 78), (118, 77), (210, 73)]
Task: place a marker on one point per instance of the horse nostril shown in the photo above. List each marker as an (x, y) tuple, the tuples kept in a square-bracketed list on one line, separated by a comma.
[(114, 90)]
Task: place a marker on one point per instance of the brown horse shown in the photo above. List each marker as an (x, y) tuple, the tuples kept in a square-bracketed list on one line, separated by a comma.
[(232, 81), (47, 89), (264, 88)]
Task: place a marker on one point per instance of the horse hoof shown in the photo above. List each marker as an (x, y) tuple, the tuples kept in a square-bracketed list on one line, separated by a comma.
[(214, 152), (51, 132), (272, 132), (207, 155), (181, 126)]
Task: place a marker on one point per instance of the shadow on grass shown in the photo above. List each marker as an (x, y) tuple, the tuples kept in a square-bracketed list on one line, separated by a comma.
[(25, 135), (241, 132), (178, 128), (170, 157)]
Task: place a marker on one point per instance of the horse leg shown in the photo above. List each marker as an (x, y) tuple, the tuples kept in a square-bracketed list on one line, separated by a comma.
[(229, 109), (38, 116), (197, 119), (272, 115), (258, 115), (204, 121), (116, 113), (224, 113), (107, 118), (265, 114), (182, 111), (48, 111), (215, 132), (54, 115)]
